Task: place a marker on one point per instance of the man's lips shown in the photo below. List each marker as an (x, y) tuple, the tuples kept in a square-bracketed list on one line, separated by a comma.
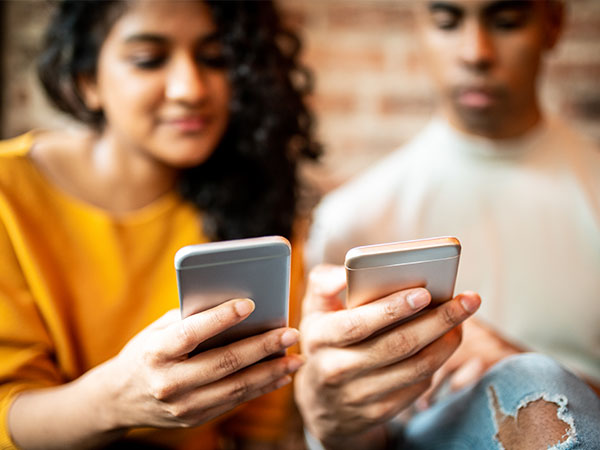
[(478, 98)]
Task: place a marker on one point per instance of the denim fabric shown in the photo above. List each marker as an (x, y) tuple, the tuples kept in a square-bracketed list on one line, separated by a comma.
[(465, 420)]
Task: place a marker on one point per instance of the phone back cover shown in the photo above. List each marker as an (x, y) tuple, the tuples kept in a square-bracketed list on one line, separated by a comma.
[(258, 272)]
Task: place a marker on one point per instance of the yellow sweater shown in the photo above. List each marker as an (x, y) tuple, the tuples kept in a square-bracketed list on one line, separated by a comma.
[(76, 284)]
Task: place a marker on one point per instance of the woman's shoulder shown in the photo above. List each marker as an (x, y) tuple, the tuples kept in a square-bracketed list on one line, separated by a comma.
[(14, 160)]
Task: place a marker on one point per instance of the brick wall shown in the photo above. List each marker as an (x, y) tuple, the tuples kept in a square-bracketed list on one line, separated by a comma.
[(372, 92)]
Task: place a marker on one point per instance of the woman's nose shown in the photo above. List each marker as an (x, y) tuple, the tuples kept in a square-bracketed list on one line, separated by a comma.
[(185, 80)]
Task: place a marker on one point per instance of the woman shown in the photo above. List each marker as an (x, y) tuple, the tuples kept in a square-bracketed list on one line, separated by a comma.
[(196, 125)]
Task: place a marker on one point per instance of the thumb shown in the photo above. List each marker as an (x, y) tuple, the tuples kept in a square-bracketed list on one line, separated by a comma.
[(325, 283)]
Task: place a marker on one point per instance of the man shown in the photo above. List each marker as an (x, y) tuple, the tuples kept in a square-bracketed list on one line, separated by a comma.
[(522, 193)]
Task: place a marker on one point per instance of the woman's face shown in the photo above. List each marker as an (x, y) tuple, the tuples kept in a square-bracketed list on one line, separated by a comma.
[(161, 82)]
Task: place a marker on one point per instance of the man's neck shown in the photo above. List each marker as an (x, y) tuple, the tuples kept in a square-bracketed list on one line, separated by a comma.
[(511, 128)]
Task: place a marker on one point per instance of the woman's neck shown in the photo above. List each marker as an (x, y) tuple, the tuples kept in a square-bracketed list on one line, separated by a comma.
[(94, 169)]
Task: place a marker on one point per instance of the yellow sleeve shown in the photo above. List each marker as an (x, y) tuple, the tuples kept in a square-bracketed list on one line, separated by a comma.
[(25, 346)]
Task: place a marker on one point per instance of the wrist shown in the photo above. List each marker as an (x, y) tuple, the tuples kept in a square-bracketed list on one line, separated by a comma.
[(374, 438), (102, 385)]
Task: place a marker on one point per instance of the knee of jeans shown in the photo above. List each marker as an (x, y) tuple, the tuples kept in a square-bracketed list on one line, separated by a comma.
[(539, 419), (530, 365)]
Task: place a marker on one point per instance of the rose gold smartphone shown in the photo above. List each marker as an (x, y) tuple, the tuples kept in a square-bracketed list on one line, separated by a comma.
[(257, 268), (374, 271)]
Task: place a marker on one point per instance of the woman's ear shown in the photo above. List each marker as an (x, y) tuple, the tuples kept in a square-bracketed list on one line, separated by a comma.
[(89, 92)]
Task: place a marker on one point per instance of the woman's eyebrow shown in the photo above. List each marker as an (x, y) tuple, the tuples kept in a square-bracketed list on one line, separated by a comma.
[(146, 37), (160, 39)]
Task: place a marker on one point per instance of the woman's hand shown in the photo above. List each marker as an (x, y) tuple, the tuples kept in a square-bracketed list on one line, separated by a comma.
[(480, 349), (161, 387), (355, 377), (152, 382)]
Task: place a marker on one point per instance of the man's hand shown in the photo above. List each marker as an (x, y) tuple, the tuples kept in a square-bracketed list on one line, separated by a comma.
[(480, 349), (356, 377)]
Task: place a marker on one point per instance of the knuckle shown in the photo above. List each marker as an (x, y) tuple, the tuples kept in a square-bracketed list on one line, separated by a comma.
[(271, 344), (424, 368), (449, 315), (179, 411), (331, 376), (375, 412), (353, 328), (391, 310), (403, 342), (239, 391), (219, 317), (228, 361), (160, 389), (187, 334)]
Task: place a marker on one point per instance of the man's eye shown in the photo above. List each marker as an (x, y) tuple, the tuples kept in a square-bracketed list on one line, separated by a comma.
[(445, 20), (509, 21)]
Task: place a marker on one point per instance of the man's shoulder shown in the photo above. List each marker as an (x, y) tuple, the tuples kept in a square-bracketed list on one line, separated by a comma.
[(386, 173)]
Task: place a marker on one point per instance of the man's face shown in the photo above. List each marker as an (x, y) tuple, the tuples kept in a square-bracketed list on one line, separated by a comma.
[(484, 57)]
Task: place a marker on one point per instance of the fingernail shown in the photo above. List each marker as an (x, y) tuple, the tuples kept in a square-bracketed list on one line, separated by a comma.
[(417, 298), (470, 303), (290, 337), (421, 404), (283, 381), (244, 307)]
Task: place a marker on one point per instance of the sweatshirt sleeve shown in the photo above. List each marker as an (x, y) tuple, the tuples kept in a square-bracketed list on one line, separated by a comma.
[(26, 351)]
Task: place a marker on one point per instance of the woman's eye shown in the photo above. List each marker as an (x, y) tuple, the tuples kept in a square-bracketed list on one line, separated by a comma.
[(147, 62), (212, 60)]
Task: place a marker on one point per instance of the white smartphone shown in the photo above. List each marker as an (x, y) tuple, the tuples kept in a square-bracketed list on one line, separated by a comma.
[(374, 271), (257, 268)]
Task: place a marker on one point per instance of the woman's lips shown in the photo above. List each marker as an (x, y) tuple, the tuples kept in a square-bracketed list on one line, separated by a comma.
[(193, 124)]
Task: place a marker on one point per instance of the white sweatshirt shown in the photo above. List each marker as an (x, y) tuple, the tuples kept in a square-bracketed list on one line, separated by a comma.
[(526, 210)]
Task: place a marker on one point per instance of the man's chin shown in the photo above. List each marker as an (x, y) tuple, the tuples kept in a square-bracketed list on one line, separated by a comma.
[(481, 121)]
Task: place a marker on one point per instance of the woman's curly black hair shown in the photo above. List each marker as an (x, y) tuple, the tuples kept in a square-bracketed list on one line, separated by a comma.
[(250, 185)]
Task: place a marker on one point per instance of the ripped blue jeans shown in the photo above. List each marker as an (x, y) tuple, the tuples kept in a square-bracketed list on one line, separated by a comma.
[(485, 416)]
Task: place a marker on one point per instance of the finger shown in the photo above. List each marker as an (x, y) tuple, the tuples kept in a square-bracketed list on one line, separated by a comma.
[(212, 365), (325, 283), (171, 316), (181, 337), (468, 374), (244, 385), (412, 336), (438, 379), (349, 326), (379, 383), (385, 409)]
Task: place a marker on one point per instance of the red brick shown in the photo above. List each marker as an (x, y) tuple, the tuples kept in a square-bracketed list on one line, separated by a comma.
[(330, 58), (369, 15), (405, 105)]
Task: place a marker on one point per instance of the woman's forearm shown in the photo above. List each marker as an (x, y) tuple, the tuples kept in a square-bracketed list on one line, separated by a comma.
[(75, 415)]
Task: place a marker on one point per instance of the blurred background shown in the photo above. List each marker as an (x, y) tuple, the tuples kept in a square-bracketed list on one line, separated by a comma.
[(372, 93)]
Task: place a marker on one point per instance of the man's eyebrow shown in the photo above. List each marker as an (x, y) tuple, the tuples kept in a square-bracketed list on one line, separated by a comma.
[(499, 6), (445, 7)]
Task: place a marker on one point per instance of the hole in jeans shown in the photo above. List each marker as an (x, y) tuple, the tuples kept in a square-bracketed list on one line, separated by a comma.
[(537, 424)]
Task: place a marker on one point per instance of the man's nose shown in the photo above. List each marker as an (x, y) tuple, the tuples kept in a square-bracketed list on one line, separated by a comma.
[(476, 47), (186, 81)]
